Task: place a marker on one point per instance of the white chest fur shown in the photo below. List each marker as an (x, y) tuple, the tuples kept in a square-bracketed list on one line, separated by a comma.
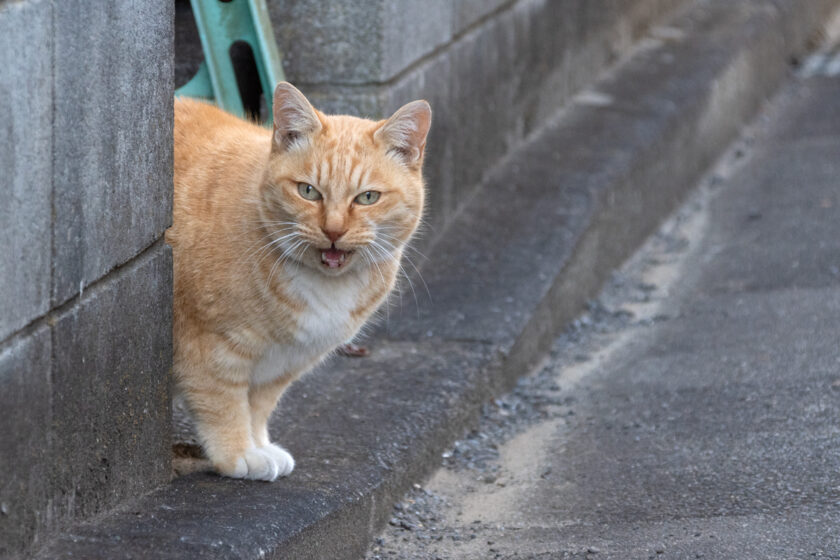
[(325, 322)]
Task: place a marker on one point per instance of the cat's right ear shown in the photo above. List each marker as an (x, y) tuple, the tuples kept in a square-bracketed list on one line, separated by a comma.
[(404, 134), (294, 117)]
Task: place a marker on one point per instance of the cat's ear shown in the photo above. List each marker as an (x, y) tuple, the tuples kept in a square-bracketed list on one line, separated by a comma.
[(294, 118), (404, 134)]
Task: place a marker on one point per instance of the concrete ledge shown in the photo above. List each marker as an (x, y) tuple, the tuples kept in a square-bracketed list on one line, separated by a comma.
[(519, 262)]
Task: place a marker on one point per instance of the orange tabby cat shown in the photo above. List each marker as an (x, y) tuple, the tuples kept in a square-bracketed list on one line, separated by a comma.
[(284, 244)]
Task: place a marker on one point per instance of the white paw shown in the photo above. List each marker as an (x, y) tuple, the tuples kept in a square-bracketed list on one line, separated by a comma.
[(284, 460), (262, 463), (256, 464)]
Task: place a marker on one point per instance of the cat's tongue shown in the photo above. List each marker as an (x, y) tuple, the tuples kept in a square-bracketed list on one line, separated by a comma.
[(333, 257)]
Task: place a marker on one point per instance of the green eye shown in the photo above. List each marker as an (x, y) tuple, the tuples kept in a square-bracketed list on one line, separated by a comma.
[(309, 192), (367, 198)]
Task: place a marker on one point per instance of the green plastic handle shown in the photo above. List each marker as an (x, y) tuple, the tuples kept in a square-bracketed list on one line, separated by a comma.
[(221, 24)]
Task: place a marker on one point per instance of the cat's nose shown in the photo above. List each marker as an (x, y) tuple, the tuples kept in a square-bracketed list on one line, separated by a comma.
[(333, 235)]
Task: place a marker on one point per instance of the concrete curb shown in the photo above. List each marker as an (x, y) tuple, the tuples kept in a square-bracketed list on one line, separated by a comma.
[(519, 262)]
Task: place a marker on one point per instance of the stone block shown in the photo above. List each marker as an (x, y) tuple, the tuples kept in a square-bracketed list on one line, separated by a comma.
[(25, 162), (348, 42), (112, 135), (321, 41), (111, 397), (25, 420), (468, 12), (410, 31)]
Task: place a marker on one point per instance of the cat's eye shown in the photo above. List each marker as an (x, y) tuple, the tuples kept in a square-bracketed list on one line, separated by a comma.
[(309, 192), (367, 198)]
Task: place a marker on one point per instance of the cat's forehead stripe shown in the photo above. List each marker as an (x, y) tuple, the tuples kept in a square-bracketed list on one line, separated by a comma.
[(340, 169), (356, 176), (346, 168), (324, 176)]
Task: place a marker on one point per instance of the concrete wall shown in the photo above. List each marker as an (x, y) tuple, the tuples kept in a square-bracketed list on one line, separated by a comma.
[(85, 279)]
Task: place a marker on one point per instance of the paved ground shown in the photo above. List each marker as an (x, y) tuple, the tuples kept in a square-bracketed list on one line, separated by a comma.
[(695, 410)]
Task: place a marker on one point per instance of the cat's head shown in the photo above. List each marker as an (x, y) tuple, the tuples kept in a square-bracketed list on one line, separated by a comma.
[(342, 192)]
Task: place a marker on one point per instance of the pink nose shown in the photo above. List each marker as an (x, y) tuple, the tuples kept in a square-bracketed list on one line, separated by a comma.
[(333, 235)]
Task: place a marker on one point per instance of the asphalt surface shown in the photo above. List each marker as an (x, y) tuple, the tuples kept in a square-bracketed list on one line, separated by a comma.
[(694, 410)]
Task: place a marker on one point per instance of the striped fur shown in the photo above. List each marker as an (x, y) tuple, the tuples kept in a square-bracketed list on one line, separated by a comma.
[(255, 306)]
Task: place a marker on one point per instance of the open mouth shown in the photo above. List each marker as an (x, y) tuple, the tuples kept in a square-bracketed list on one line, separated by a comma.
[(334, 258)]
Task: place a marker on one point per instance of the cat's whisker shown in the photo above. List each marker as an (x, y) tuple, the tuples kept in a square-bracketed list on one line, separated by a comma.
[(284, 227), (260, 224), (414, 266), (290, 253), (271, 272), (303, 249), (413, 291), (419, 275), (284, 233), (270, 234), (384, 283), (283, 257), (375, 263), (405, 246), (369, 258), (387, 254), (265, 250)]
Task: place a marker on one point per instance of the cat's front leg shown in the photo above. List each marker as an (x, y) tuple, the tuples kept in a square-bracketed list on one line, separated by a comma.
[(263, 400), (223, 421)]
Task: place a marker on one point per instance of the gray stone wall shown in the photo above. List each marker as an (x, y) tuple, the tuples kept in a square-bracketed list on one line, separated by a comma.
[(493, 70), (85, 278)]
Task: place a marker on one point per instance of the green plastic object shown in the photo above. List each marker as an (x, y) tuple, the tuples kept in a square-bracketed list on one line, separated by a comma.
[(221, 23)]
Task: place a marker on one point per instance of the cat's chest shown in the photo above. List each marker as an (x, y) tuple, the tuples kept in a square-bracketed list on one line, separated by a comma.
[(325, 321), (328, 310)]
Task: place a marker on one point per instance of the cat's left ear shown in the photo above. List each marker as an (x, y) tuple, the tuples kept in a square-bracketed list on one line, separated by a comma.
[(294, 117), (404, 134)]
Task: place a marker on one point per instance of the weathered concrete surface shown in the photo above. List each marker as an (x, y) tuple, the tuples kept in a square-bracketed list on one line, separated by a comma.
[(396, 35), (24, 378), (111, 421), (112, 136), (808, 143), (577, 199), (25, 180), (362, 431), (392, 35), (85, 404), (711, 431), (346, 467), (85, 282)]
